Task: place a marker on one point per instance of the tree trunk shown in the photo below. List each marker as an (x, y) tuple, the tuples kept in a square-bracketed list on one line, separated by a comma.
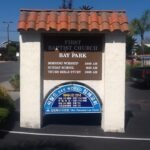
[(142, 48), (70, 4), (64, 4)]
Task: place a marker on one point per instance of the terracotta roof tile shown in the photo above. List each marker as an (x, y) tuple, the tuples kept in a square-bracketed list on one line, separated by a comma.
[(52, 21), (94, 26), (74, 17), (73, 20), (94, 17), (83, 17)]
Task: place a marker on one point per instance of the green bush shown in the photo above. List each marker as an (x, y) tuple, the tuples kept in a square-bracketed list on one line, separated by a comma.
[(128, 69), (6, 105), (15, 81), (5, 99), (4, 113), (3, 92)]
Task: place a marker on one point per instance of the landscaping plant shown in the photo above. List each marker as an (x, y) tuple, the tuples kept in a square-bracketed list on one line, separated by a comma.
[(6, 105), (15, 81)]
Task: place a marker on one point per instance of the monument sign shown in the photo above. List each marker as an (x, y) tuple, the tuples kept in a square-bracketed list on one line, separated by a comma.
[(72, 61)]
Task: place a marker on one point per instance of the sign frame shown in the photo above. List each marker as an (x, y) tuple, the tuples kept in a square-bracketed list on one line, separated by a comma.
[(55, 93), (63, 48)]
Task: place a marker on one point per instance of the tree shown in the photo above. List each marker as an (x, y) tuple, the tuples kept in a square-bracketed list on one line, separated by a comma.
[(86, 7), (130, 42), (70, 4), (66, 4), (9, 53), (140, 26)]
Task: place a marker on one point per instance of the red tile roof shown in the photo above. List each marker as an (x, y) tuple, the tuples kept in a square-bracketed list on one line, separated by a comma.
[(73, 20)]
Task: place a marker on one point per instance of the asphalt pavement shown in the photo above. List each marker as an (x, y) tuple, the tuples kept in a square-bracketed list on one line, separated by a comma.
[(7, 69), (77, 132)]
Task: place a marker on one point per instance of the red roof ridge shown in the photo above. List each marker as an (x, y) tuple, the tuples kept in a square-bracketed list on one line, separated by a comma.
[(72, 10), (73, 20)]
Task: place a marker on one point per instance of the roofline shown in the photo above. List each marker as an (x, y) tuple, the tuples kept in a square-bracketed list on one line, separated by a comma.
[(71, 10)]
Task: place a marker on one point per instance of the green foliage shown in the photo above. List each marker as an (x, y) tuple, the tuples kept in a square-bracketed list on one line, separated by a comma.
[(130, 42), (9, 53), (128, 70), (5, 99), (86, 7), (12, 50), (15, 81), (146, 50), (6, 105), (4, 113), (141, 25), (3, 94)]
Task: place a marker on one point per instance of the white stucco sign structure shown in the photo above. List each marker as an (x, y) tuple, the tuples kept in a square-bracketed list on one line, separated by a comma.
[(72, 62)]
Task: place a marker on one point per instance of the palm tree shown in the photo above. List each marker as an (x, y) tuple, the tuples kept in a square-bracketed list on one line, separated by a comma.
[(130, 42), (70, 4), (140, 26), (66, 4), (86, 7), (63, 4)]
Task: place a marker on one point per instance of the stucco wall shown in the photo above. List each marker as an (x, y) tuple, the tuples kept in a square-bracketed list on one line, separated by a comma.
[(113, 118), (30, 74)]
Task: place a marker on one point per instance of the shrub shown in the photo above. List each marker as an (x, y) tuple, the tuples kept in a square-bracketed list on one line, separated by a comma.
[(4, 113), (128, 69), (5, 99), (6, 105), (15, 81), (3, 94)]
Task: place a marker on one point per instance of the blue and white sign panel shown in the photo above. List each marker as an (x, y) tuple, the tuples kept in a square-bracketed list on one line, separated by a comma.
[(72, 98)]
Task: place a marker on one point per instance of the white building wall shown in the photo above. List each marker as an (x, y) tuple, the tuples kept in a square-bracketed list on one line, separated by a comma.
[(30, 75), (113, 117)]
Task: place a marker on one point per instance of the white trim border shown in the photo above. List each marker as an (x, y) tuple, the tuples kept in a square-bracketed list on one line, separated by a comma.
[(77, 136)]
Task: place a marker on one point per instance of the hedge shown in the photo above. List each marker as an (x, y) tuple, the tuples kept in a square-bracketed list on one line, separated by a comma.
[(6, 105), (4, 113)]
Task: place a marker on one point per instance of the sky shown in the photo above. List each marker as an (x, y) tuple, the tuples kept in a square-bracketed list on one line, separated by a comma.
[(9, 10)]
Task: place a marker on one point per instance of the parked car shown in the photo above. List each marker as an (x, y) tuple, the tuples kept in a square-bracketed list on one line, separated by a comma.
[(141, 75)]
